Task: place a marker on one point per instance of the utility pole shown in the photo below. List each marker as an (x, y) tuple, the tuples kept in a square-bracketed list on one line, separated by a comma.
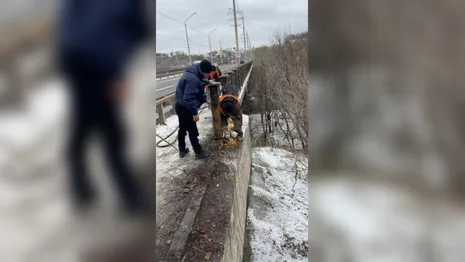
[(248, 44), (235, 31), (221, 48), (243, 32), (210, 42), (187, 37)]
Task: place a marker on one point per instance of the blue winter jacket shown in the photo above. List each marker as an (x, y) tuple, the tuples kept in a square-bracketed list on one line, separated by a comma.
[(190, 89), (102, 32)]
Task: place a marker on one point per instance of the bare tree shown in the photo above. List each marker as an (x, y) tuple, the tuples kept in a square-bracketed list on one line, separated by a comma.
[(279, 84)]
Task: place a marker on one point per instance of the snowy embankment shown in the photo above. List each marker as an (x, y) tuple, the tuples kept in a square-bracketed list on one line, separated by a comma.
[(277, 221)]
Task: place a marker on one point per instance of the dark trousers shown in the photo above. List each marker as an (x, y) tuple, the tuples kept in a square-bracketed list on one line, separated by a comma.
[(187, 125), (93, 110)]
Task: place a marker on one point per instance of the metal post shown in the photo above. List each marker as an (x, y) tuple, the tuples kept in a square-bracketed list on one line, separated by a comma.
[(187, 37), (210, 42), (235, 31), (238, 78), (241, 78), (248, 45), (215, 106), (221, 55), (243, 31), (188, 47), (221, 48), (235, 81), (223, 81), (161, 115)]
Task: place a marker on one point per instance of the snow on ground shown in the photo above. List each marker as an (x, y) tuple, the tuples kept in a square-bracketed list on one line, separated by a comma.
[(170, 154), (168, 163), (277, 213), (372, 221)]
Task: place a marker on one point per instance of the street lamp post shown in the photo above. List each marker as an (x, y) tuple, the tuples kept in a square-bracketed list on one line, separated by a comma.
[(210, 42), (221, 48), (235, 29), (187, 37)]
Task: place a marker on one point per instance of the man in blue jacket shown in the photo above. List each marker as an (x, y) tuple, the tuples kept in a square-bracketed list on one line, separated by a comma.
[(95, 42), (189, 97)]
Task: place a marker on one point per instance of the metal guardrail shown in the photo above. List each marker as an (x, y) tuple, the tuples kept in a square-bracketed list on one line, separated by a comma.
[(165, 108), (231, 83)]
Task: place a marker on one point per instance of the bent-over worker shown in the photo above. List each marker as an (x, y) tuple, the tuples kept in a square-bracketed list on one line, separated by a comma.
[(230, 106)]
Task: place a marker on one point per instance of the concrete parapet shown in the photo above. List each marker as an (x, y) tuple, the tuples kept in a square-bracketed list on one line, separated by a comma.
[(219, 230)]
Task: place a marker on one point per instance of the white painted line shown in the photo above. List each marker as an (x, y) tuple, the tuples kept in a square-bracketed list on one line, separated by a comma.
[(168, 87)]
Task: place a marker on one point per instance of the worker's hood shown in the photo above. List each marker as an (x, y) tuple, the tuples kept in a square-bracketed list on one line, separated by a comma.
[(195, 69)]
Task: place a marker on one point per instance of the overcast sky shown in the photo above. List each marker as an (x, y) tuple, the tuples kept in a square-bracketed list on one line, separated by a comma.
[(262, 19)]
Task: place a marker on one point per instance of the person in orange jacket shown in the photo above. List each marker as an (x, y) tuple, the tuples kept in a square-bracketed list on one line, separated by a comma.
[(230, 107), (215, 74)]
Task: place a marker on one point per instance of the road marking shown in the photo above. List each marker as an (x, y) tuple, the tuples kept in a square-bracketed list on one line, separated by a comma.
[(166, 80), (164, 88)]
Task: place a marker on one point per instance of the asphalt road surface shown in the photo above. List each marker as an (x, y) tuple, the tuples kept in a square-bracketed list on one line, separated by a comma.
[(167, 86)]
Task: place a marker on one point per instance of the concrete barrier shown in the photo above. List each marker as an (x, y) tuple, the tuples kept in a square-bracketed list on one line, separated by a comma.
[(235, 234), (219, 231)]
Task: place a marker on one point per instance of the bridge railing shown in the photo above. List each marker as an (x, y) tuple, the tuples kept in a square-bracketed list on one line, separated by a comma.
[(234, 83), (231, 83)]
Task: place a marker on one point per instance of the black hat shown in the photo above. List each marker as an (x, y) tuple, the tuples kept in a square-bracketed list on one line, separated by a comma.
[(205, 66), (228, 107)]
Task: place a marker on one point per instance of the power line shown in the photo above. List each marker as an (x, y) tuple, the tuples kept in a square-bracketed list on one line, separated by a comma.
[(196, 30), (179, 22), (169, 17)]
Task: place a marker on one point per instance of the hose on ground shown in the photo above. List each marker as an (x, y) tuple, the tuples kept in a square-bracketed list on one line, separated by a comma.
[(172, 143)]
